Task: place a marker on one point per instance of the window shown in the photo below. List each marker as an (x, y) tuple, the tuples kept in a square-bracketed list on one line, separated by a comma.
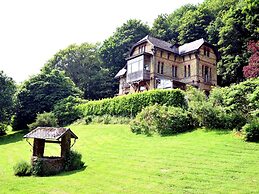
[(206, 52), (175, 58), (158, 67), (161, 54), (189, 70), (183, 58), (185, 74), (174, 71), (206, 74), (162, 68), (144, 50), (190, 56), (168, 55)]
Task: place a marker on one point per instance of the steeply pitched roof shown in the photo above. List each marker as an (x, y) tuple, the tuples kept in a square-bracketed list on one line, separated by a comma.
[(181, 50), (192, 46), (49, 133)]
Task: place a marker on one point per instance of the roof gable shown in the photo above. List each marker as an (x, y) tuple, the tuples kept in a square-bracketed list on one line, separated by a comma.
[(49, 133)]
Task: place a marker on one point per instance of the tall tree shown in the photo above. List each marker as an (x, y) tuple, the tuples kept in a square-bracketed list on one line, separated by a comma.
[(161, 28), (40, 93), (239, 26), (175, 20), (194, 25), (83, 65), (116, 48), (7, 90)]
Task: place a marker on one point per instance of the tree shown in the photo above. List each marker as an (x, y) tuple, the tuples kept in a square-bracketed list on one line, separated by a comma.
[(40, 93), (194, 25), (116, 48), (252, 69), (161, 28), (239, 26), (7, 90), (83, 65), (175, 20)]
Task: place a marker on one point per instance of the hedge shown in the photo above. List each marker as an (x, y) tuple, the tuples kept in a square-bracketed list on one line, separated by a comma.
[(130, 105)]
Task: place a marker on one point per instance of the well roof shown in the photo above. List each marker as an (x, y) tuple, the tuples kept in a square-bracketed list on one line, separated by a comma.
[(49, 133)]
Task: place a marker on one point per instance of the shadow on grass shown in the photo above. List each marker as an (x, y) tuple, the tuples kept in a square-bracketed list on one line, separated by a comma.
[(12, 138), (218, 131), (67, 173)]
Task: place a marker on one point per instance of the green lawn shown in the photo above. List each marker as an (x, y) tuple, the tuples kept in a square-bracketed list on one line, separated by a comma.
[(119, 161)]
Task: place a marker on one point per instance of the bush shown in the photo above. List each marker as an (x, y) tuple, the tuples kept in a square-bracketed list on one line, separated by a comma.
[(162, 120), (37, 168), (65, 110), (22, 168), (73, 161), (88, 120), (107, 119), (44, 120), (3, 128), (250, 131), (130, 105)]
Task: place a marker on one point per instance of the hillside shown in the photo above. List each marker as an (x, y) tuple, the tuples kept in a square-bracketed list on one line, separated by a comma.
[(119, 161)]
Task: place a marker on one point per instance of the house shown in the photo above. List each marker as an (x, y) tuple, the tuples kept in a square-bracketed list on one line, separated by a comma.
[(154, 63)]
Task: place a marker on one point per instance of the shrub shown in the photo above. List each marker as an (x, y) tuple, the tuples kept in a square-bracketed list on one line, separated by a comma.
[(107, 119), (44, 120), (37, 168), (162, 120), (250, 131), (65, 110), (3, 128), (88, 120), (73, 161), (130, 105), (22, 168)]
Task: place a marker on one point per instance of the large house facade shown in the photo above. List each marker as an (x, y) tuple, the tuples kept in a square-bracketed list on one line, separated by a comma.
[(154, 63)]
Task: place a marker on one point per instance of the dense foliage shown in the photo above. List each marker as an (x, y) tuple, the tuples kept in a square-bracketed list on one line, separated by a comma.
[(22, 168), (251, 130), (162, 120), (65, 110), (132, 104), (46, 119), (7, 90), (252, 69), (73, 161), (40, 93), (83, 65)]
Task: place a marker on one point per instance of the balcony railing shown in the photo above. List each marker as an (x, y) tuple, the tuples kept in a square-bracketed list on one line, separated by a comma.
[(138, 76)]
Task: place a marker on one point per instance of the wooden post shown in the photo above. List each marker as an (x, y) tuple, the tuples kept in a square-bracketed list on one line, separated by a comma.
[(65, 144)]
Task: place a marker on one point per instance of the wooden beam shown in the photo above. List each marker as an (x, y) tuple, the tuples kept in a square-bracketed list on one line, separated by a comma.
[(49, 141)]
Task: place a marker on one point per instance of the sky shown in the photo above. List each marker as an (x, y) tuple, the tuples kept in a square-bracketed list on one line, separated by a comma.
[(32, 31)]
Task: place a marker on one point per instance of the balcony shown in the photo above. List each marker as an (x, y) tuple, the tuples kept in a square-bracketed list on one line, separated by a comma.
[(138, 68), (138, 76)]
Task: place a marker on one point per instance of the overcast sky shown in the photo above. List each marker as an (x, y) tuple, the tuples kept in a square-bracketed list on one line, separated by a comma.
[(32, 31)]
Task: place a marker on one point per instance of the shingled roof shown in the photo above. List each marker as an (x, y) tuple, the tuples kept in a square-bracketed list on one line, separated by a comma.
[(181, 50), (49, 133)]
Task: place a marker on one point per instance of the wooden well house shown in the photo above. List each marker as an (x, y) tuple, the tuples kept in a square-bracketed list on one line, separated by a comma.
[(43, 135)]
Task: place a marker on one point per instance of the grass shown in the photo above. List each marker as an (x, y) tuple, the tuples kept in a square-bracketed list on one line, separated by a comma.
[(121, 162)]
